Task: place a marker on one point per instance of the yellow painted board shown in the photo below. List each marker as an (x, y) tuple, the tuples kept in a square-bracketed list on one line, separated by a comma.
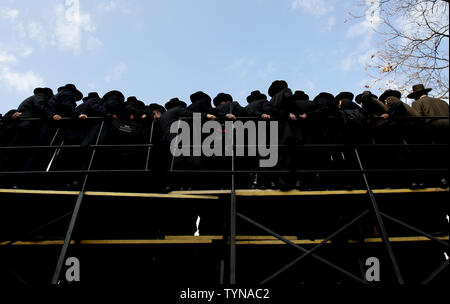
[(209, 240), (201, 192), (295, 192), (219, 237), (30, 191), (156, 195), (39, 243), (426, 190), (143, 242)]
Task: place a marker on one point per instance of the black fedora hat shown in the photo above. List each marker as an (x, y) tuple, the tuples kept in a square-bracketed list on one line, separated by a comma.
[(388, 93), (359, 96), (276, 87), (255, 95), (91, 95), (300, 95), (344, 96), (132, 99), (174, 102), (73, 88), (222, 97), (156, 107), (46, 91), (199, 95), (115, 93), (418, 90), (325, 95)]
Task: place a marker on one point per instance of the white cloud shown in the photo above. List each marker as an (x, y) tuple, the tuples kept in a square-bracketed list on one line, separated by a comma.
[(357, 59), (93, 44), (313, 7), (116, 73), (347, 63), (310, 85), (107, 6), (26, 51), (23, 82), (242, 66), (363, 51), (330, 23), (92, 87), (265, 72), (9, 14), (371, 20), (5, 57), (70, 24), (37, 32), (365, 58)]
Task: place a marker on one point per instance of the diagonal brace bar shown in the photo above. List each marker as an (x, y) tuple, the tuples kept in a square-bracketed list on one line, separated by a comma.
[(287, 266), (332, 265)]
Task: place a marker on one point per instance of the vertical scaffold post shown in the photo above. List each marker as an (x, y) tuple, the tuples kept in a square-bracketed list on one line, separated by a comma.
[(233, 214)]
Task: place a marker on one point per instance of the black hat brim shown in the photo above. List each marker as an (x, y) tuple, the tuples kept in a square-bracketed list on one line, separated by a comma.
[(157, 107), (419, 93), (358, 97), (324, 95), (388, 93), (114, 93), (344, 95)]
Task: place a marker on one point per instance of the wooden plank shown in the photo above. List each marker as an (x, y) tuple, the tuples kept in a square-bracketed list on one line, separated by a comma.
[(296, 192), (212, 194), (36, 243), (426, 190), (367, 240), (204, 240), (43, 192), (201, 192), (155, 195), (144, 242), (219, 237)]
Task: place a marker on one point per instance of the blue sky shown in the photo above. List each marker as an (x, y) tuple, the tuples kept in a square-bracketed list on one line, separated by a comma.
[(157, 50)]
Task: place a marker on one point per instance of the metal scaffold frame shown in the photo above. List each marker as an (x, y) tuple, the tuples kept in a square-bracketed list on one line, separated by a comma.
[(231, 236)]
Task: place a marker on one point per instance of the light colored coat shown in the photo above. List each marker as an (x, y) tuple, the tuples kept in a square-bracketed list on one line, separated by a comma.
[(429, 106)]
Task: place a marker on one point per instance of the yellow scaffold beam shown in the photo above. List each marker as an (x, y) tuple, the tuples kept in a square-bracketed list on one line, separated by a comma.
[(240, 240), (115, 194), (270, 192)]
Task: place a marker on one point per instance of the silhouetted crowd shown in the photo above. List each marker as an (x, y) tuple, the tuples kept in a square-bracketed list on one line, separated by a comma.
[(317, 134)]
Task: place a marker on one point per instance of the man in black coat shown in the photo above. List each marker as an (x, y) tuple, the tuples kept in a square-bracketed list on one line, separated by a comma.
[(413, 130), (353, 129), (162, 159), (201, 103), (112, 106), (224, 104), (255, 108), (301, 105), (64, 102), (134, 109), (384, 130), (60, 105), (17, 132), (325, 123), (281, 107), (21, 131)]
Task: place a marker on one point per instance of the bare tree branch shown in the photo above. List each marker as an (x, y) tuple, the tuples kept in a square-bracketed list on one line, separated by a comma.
[(414, 43)]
